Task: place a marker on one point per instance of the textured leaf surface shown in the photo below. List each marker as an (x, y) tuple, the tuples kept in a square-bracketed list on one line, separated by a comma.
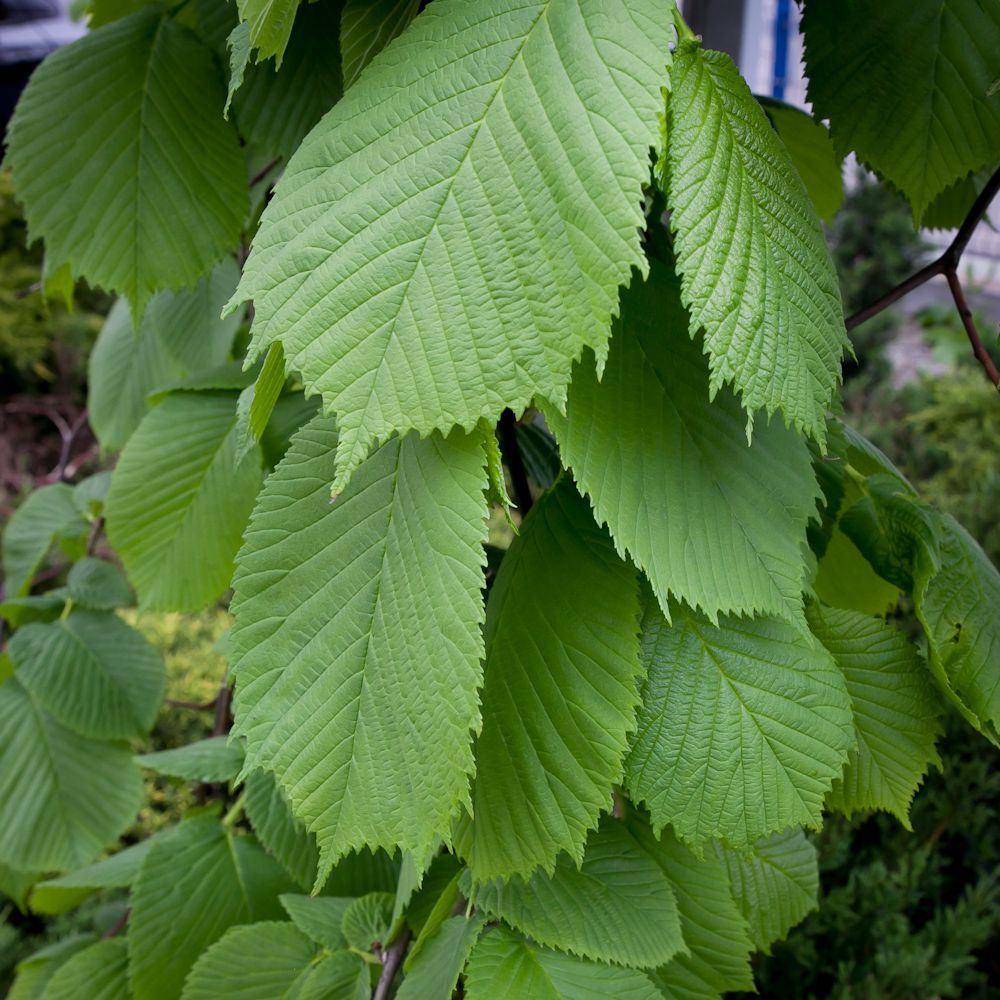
[(283, 835), (504, 965), (35, 972), (214, 759), (895, 712), (177, 506), (926, 68), (367, 921), (755, 270), (743, 727), (92, 672), (775, 886), (99, 972), (367, 27), (442, 959), (270, 25), (191, 888), (180, 334), (527, 148), (123, 161), (710, 519), (320, 918), (357, 641), (559, 695), (98, 585), (715, 934), (63, 796), (616, 907)]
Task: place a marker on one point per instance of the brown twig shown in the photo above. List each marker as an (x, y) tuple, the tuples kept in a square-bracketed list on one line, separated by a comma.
[(392, 959), (515, 463), (263, 172), (118, 926), (947, 265)]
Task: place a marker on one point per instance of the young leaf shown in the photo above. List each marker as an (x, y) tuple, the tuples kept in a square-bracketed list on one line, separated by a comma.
[(776, 884), (711, 520), (905, 86), (502, 152), (270, 25), (755, 271), (177, 506), (100, 972), (149, 187), (63, 796), (436, 969), (319, 917), (367, 921), (504, 965), (367, 27), (98, 585), (92, 672), (616, 907), (559, 695), (895, 712), (213, 759), (238, 43), (357, 643), (743, 727), (256, 402)]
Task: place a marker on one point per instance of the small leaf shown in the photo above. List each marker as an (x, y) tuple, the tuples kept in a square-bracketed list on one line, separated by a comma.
[(213, 759), (367, 921), (270, 25), (319, 918), (100, 971), (435, 971), (99, 585)]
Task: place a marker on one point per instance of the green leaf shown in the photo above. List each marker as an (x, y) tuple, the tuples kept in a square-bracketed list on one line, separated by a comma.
[(717, 958), (214, 759), (177, 506), (435, 973), (430, 168), (271, 961), (319, 918), (755, 271), (46, 514), (949, 209), (99, 972), (239, 47), (895, 712), (367, 921), (811, 150), (358, 629), (92, 672), (256, 402), (766, 727), (16, 885), (367, 27), (191, 888), (290, 413), (180, 334), (149, 187), (503, 965), (63, 796), (46, 607), (283, 836), (775, 885), (711, 520), (35, 972), (560, 692), (845, 579), (270, 25), (616, 907), (905, 87), (98, 585)]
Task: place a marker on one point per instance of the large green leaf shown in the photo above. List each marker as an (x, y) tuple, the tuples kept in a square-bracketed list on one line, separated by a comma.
[(177, 506), (367, 27), (180, 334), (755, 270), (63, 796), (123, 161), (357, 643), (711, 520), (91, 672), (193, 886), (617, 906), (284, 836), (445, 951), (504, 965), (717, 957), (475, 203), (213, 759), (776, 884), (743, 728), (905, 86), (895, 712), (99, 972), (560, 692)]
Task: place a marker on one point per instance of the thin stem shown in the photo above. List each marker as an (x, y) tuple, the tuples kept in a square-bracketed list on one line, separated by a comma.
[(235, 811), (263, 172), (118, 926), (515, 462), (978, 347), (391, 962)]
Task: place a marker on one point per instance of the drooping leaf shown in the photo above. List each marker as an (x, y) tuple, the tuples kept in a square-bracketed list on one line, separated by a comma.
[(320, 918), (91, 672), (193, 886), (924, 68), (503, 152), (504, 965), (177, 506), (743, 727), (367, 27), (63, 796), (99, 972), (149, 188), (270, 25), (712, 520), (895, 712), (357, 643), (435, 972), (616, 907), (180, 334), (239, 47), (775, 885), (755, 271), (560, 692), (98, 585), (949, 209), (212, 759), (256, 402)]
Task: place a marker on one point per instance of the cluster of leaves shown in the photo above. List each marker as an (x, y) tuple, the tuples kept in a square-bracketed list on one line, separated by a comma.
[(585, 772)]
